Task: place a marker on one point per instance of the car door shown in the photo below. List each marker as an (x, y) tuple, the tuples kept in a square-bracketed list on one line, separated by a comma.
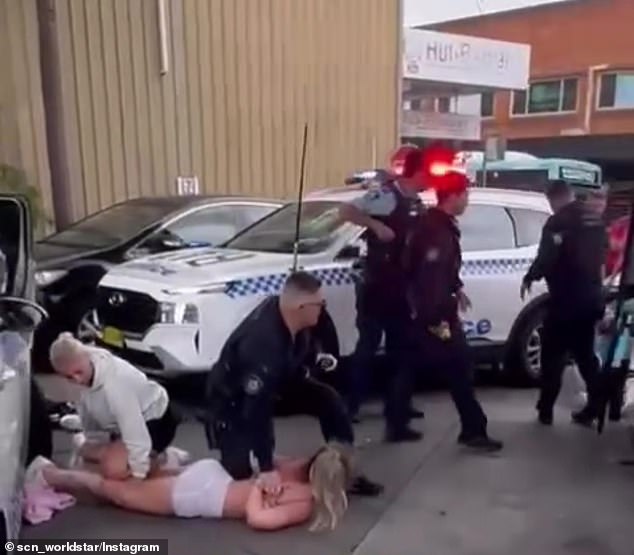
[(492, 271), (19, 316)]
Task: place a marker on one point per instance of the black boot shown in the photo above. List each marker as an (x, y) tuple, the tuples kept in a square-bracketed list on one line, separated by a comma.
[(402, 435), (480, 443), (585, 417), (364, 487), (415, 413), (544, 414)]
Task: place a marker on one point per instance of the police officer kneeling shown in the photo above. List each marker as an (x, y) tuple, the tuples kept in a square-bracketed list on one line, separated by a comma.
[(268, 356), (571, 255), (436, 294)]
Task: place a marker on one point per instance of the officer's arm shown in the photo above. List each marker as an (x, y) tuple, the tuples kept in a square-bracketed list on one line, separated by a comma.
[(549, 246), (363, 212)]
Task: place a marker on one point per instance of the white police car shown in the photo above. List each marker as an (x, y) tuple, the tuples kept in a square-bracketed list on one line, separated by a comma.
[(171, 313)]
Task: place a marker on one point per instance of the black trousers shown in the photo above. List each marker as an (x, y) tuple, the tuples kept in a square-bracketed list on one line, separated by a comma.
[(306, 396), (452, 359), (163, 430), (565, 335), (381, 314)]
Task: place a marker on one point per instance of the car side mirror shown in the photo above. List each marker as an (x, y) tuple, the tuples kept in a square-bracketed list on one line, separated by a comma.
[(350, 252), (20, 315), (16, 240)]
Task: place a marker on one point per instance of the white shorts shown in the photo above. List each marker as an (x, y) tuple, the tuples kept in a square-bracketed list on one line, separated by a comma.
[(200, 490)]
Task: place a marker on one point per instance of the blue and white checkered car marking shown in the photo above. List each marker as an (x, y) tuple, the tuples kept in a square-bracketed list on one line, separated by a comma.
[(271, 284), (495, 266)]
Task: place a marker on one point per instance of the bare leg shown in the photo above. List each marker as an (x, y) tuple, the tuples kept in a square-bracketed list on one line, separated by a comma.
[(73, 481), (152, 496), (111, 458)]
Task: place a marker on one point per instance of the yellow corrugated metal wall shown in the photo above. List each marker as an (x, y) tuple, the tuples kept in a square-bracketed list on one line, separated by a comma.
[(243, 77), (22, 128)]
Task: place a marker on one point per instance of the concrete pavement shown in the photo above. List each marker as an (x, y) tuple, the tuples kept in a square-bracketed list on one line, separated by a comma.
[(552, 491)]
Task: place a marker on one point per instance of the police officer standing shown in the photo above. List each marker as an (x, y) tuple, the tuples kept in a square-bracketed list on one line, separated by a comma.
[(436, 296), (388, 210), (270, 355), (571, 259)]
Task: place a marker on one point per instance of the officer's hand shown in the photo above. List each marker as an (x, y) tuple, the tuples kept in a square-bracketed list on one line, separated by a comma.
[(524, 289), (464, 302), (270, 482), (383, 232)]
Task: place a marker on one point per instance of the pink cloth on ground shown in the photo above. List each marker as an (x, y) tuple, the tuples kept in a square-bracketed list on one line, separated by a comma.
[(41, 502)]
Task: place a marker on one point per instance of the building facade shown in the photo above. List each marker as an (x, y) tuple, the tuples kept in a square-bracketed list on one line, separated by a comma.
[(580, 102), (111, 99)]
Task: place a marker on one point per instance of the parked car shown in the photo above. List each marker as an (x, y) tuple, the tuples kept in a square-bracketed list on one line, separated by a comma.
[(71, 262), (171, 313), (19, 316)]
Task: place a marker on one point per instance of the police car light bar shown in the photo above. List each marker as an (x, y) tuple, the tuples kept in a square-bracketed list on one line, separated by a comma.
[(361, 177)]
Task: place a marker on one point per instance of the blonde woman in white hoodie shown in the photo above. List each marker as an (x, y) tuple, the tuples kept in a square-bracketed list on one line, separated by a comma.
[(117, 399)]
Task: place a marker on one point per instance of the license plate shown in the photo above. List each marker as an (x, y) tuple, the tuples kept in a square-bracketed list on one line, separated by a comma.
[(113, 337)]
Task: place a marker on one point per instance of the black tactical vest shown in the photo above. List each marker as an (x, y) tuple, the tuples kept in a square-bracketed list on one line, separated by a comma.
[(386, 263)]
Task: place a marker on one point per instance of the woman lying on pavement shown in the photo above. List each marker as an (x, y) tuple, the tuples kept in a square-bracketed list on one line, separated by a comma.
[(116, 399), (204, 489)]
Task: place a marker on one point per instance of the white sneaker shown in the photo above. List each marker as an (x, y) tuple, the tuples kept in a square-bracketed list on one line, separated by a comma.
[(71, 423), (175, 458), (78, 441), (181, 455), (34, 475)]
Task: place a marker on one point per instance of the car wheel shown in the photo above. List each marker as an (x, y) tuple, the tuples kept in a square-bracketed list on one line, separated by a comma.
[(523, 364), (86, 330), (81, 321)]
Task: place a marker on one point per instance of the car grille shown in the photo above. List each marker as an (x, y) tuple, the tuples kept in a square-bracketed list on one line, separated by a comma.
[(126, 310)]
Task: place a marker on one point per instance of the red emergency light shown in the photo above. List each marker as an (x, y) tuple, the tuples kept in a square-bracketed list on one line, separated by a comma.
[(406, 161), (432, 167)]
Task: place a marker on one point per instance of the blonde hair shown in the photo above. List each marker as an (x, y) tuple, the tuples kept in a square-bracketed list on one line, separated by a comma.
[(329, 475), (64, 349)]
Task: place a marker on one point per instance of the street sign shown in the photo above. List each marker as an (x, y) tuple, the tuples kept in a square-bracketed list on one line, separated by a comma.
[(187, 186)]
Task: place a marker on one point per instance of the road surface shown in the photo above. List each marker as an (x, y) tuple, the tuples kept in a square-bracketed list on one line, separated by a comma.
[(552, 491)]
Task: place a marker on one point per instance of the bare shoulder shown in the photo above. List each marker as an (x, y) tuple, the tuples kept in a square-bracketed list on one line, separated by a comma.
[(293, 492)]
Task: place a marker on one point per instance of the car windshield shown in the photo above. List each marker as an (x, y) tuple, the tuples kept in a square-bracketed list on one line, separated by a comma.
[(319, 228), (112, 226)]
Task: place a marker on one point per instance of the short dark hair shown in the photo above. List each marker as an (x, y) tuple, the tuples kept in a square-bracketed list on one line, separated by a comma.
[(303, 282), (558, 189)]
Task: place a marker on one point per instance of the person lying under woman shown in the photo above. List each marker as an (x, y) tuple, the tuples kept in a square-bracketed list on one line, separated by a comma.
[(314, 487), (119, 400)]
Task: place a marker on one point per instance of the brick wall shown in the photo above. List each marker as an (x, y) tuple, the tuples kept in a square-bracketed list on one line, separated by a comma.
[(567, 39)]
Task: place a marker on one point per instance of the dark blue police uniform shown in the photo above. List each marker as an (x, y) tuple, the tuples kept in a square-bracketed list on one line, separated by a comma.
[(382, 302), (259, 363), (435, 283), (570, 258)]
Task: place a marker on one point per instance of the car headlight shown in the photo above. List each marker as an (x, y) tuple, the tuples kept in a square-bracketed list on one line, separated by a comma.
[(178, 313), (46, 277)]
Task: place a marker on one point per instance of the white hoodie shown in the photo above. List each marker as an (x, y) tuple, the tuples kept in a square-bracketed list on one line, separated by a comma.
[(121, 399)]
